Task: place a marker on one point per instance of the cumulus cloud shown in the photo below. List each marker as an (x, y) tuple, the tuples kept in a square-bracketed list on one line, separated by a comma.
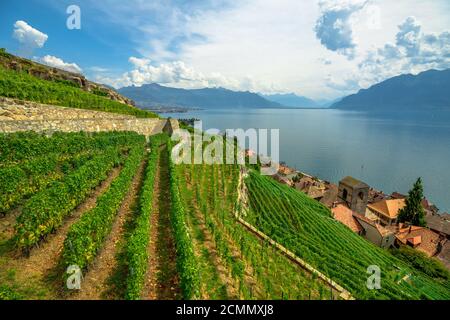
[(177, 74), (408, 36), (412, 52), (53, 61), (334, 27), (29, 37)]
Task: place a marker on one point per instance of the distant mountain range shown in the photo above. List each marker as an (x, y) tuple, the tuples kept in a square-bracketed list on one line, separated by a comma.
[(292, 100), (154, 95), (426, 91)]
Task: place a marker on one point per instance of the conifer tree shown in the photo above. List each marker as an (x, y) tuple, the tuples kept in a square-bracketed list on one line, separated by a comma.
[(413, 211)]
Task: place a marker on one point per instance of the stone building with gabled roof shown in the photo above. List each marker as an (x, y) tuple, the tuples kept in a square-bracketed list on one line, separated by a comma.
[(354, 193)]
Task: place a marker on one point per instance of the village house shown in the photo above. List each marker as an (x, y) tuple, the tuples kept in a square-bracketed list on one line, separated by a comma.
[(330, 196), (397, 195), (282, 179), (429, 207), (426, 204), (314, 188), (420, 238), (315, 192), (304, 182), (375, 232), (285, 170), (344, 215), (385, 212), (444, 254), (439, 223), (376, 195)]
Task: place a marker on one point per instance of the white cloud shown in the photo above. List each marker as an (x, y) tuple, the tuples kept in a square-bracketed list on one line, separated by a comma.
[(139, 62), (28, 36), (60, 64), (334, 27), (98, 69), (408, 36), (176, 74), (413, 52), (274, 45)]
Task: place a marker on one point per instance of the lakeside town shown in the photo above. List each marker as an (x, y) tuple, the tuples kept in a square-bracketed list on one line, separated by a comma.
[(373, 214)]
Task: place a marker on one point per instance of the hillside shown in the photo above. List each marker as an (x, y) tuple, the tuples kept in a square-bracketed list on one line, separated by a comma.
[(27, 80), (134, 215), (166, 231), (307, 229), (154, 95), (292, 100), (115, 207), (429, 90)]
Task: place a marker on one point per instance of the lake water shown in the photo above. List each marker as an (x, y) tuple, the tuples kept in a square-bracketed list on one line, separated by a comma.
[(387, 151)]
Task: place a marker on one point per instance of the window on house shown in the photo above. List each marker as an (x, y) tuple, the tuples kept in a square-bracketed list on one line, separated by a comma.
[(361, 195)]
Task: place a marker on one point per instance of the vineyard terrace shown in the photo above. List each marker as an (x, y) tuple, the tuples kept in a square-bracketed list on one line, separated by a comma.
[(208, 147)]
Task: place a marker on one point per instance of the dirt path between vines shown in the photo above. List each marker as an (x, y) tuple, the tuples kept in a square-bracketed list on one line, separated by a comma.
[(222, 270), (44, 259), (7, 223), (95, 282), (162, 280), (206, 241), (249, 276)]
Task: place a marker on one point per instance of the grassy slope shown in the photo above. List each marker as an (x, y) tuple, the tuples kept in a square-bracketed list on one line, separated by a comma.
[(21, 85), (306, 227)]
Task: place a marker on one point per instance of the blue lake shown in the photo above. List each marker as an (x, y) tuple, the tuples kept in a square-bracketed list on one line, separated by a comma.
[(388, 151)]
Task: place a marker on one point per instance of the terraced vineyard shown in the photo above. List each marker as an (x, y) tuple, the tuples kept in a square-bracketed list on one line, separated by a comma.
[(139, 226), (306, 228), (21, 85)]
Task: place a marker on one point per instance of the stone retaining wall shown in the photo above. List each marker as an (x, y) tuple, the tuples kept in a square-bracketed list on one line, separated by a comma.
[(16, 115)]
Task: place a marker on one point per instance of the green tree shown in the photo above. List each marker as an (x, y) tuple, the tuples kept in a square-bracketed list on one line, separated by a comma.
[(413, 211)]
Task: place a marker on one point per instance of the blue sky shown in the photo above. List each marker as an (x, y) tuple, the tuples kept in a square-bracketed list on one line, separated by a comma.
[(317, 48)]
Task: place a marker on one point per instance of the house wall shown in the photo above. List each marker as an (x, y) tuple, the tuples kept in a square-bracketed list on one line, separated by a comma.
[(383, 220), (371, 233), (388, 241)]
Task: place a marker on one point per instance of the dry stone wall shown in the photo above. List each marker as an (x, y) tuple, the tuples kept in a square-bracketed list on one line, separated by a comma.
[(16, 115)]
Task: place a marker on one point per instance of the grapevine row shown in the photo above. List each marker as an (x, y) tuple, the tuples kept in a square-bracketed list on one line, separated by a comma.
[(21, 180), (87, 235), (186, 261), (15, 147), (136, 247), (46, 210)]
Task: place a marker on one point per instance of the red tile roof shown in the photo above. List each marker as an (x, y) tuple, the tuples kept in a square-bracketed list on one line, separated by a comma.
[(345, 215), (381, 230), (429, 240), (415, 240), (388, 208)]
